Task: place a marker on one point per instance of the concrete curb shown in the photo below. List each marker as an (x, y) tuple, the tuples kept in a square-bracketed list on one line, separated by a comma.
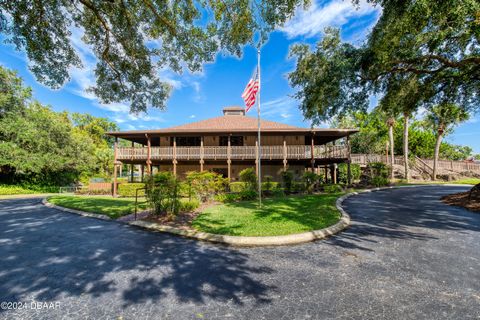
[(244, 241), (82, 213), (291, 239)]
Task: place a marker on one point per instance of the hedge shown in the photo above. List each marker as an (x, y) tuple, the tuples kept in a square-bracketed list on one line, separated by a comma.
[(129, 189), (240, 186)]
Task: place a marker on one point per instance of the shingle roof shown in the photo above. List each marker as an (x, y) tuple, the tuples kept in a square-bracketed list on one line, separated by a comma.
[(232, 122)]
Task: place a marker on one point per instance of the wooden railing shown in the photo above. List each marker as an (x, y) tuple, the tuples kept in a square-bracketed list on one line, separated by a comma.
[(236, 153), (364, 159)]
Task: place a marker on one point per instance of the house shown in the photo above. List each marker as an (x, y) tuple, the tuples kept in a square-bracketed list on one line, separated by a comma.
[(228, 144)]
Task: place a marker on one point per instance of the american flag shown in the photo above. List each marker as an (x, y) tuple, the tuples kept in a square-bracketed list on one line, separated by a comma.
[(250, 93)]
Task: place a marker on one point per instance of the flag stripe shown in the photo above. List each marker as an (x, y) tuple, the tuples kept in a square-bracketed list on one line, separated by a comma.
[(250, 93)]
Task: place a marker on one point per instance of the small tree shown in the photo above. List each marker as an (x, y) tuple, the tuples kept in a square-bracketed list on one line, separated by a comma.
[(206, 184), (268, 184), (249, 178), (287, 177), (442, 118), (309, 181), (162, 193)]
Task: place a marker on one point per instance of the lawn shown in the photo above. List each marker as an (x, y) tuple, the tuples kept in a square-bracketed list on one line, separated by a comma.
[(461, 181), (466, 181), (13, 189), (112, 207), (277, 216)]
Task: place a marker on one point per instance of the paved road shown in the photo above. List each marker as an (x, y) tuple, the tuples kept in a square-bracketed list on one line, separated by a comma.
[(406, 256)]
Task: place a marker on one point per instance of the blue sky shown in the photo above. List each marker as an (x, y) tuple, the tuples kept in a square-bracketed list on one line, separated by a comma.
[(202, 95)]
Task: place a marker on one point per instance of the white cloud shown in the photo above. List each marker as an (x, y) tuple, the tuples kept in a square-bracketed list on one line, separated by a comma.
[(192, 116), (312, 22), (114, 107), (280, 107)]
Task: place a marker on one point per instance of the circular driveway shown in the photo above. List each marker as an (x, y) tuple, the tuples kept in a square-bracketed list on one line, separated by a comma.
[(406, 256)]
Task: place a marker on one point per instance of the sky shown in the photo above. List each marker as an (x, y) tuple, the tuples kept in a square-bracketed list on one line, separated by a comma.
[(203, 95)]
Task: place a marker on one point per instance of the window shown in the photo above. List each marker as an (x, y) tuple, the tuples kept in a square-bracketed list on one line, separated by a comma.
[(187, 141), (234, 141)]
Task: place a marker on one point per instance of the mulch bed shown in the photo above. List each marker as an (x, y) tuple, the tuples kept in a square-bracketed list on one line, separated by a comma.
[(461, 200), (182, 220)]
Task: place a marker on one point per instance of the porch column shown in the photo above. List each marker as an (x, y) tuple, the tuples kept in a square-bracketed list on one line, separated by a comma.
[(326, 173), (285, 161), (174, 162), (229, 156), (131, 165), (349, 161), (115, 164), (201, 154), (334, 173), (149, 152), (142, 172), (312, 148)]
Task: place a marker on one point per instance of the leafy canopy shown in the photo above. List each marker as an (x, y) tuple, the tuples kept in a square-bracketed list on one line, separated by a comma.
[(419, 53), (134, 39), (45, 147)]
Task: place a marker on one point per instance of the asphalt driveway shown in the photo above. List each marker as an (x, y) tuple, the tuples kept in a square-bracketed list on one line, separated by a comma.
[(406, 256)]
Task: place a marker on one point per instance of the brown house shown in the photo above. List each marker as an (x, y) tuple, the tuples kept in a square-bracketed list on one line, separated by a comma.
[(228, 144)]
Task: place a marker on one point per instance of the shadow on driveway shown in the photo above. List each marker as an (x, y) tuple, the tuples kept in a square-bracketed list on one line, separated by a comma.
[(49, 254)]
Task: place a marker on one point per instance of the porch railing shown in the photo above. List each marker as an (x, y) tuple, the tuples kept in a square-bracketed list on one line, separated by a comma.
[(276, 152)]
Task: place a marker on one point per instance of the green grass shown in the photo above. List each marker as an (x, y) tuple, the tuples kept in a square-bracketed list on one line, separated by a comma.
[(6, 189), (278, 216), (461, 181), (112, 207), (466, 181)]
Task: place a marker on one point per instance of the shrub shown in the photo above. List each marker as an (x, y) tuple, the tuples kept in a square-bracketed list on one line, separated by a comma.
[(287, 178), (267, 186), (332, 188), (96, 192), (248, 195), (206, 184), (379, 181), (162, 193), (249, 178), (237, 186), (309, 180), (297, 186), (228, 197), (377, 174), (355, 170), (189, 205), (129, 189)]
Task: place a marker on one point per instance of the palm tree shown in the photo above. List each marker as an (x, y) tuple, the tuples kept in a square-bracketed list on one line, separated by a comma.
[(391, 124), (443, 118), (389, 116), (403, 97)]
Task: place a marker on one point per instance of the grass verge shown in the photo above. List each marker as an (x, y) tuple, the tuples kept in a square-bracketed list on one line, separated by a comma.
[(277, 216), (112, 207)]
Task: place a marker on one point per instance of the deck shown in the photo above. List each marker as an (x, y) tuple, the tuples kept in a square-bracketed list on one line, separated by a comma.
[(292, 152)]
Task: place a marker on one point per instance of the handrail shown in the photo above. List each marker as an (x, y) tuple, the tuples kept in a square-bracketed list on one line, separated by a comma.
[(273, 152)]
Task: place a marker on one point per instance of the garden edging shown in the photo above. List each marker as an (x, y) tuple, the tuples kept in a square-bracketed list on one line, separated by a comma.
[(247, 241), (79, 212)]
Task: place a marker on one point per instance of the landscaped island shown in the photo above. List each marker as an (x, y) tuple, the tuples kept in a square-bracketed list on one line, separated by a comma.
[(112, 207), (277, 216)]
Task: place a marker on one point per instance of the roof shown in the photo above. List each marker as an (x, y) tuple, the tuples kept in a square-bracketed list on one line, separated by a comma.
[(229, 124), (234, 123)]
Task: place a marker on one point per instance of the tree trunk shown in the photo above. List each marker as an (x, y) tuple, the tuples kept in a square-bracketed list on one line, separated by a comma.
[(437, 151), (392, 156), (405, 146)]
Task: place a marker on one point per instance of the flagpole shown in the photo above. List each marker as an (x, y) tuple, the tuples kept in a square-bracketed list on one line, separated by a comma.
[(259, 138)]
